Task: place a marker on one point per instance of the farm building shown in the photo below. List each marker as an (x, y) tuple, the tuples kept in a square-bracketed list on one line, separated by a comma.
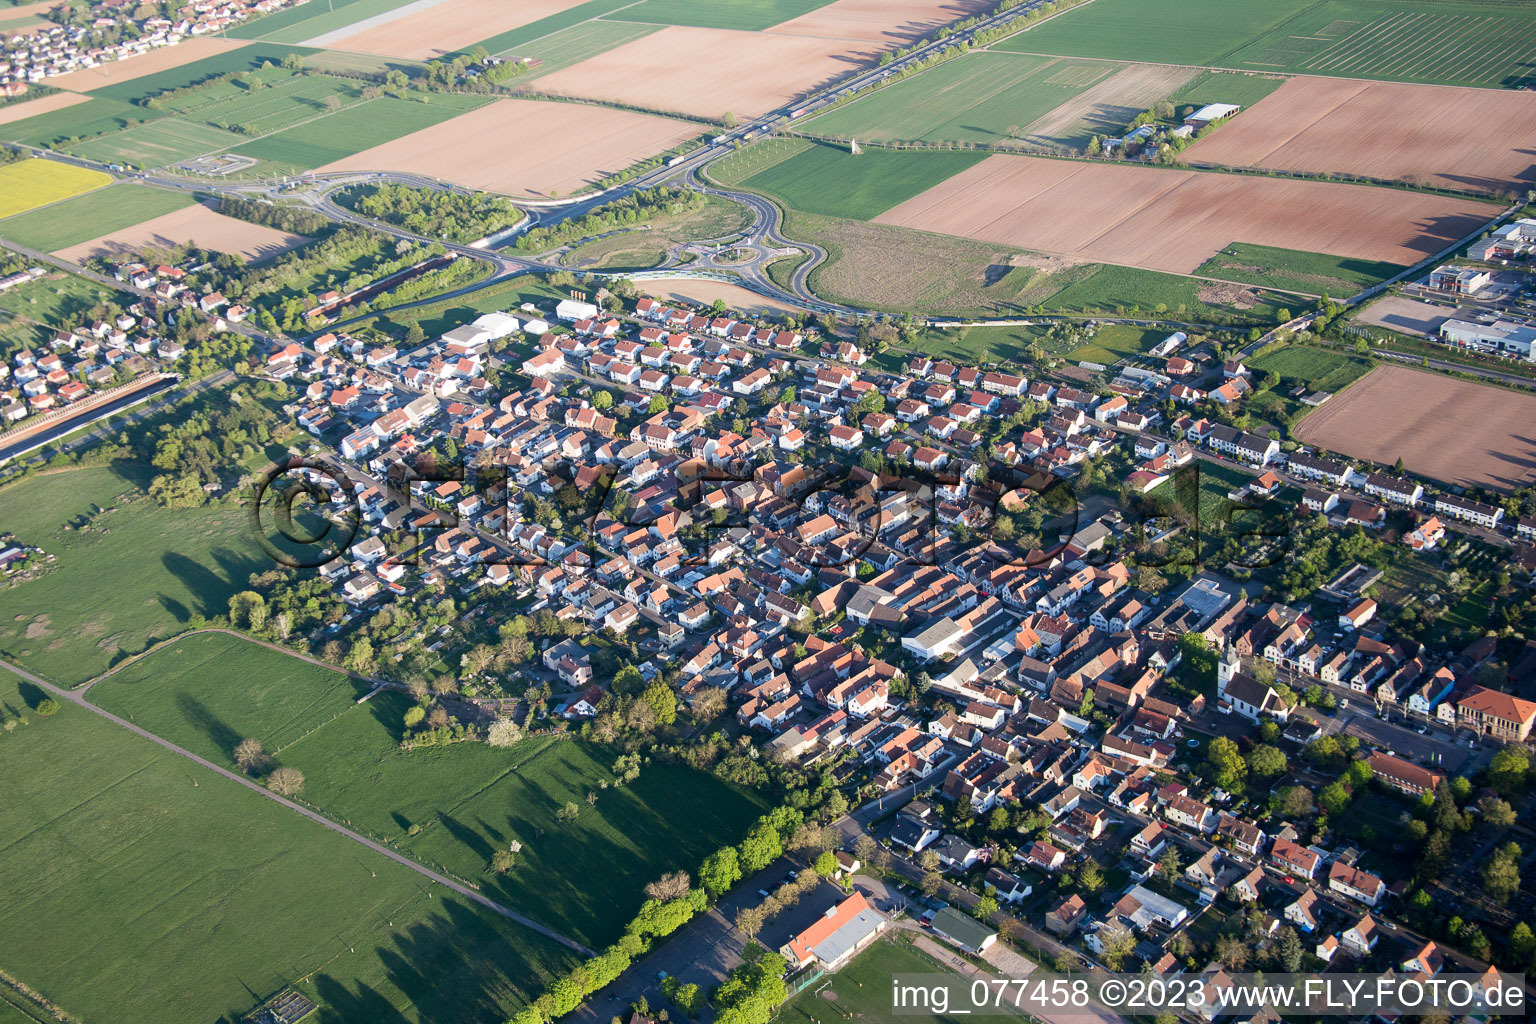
[(1209, 113)]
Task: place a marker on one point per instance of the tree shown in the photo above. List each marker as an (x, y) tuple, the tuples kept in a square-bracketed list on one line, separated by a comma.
[(1116, 943), (602, 401), (671, 886), (503, 733), (721, 870), (1508, 769), (1232, 951), (1090, 878), (1266, 761), (825, 863), (286, 781), (1522, 945), (662, 701), (985, 909), (1226, 762), (414, 716), (1333, 799), (1168, 864), (1501, 873), (709, 704), (249, 755), (503, 861), (47, 707), (931, 882), (750, 920), (1288, 950), (1497, 812), (761, 848), (1296, 802)]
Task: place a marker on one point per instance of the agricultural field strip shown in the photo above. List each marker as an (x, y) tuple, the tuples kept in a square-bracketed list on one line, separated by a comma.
[(1363, 51), (325, 39)]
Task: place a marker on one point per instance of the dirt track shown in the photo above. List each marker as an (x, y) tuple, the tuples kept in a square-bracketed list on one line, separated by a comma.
[(197, 224), (525, 147), (1173, 220), (1450, 430), (1461, 138)]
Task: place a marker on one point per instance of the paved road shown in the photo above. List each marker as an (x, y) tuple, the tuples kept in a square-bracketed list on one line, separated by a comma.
[(78, 697)]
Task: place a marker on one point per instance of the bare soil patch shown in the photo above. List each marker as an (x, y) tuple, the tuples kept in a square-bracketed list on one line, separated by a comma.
[(38, 628), (160, 59), (46, 105), (1220, 293), (1109, 105), (892, 22), (447, 27), (1450, 430), (709, 72), (1431, 134), (1408, 316), (196, 224), (704, 293), (1174, 220), (525, 147)]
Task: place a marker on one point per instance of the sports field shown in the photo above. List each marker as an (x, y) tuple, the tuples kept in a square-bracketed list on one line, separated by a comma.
[(1191, 32), (222, 896), (352, 130), (139, 573), (748, 15), (1448, 42), (861, 991), (827, 179), (983, 97), (164, 141), (85, 217), (1460, 138), (28, 184), (1174, 220), (1454, 431), (470, 799), (1310, 272)]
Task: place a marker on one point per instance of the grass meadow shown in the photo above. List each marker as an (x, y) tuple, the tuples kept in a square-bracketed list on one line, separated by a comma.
[(1310, 272), (575, 44), (1315, 367), (91, 216), (145, 889), (124, 577), (511, 42), (1115, 342), (829, 180), (246, 58), (28, 184), (984, 97), (584, 878), (1224, 87), (55, 296)]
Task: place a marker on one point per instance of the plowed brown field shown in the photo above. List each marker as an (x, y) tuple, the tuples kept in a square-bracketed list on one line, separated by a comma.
[(1434, 134), (196, 224), (709, 72), (160, 59), (1175, 220), (524, 147), (446, 27), (1450, 430), (896, 22), (47, 105)]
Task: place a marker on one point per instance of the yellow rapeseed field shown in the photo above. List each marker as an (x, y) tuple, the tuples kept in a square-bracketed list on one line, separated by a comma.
[(29, 184)]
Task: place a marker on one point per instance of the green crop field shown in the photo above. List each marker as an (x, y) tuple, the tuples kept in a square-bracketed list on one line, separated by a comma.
[(353, 130), (222, 896), (1315, 367), (573, 45), (90, 216), (507, 43), (93, 117), (1238, 87), (1310, 272), (825, 179), (1188, 32), (159, 143), (751, 15), (1446, 42), (137, 573), (982, 97), (469, 799), (297, 24)]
